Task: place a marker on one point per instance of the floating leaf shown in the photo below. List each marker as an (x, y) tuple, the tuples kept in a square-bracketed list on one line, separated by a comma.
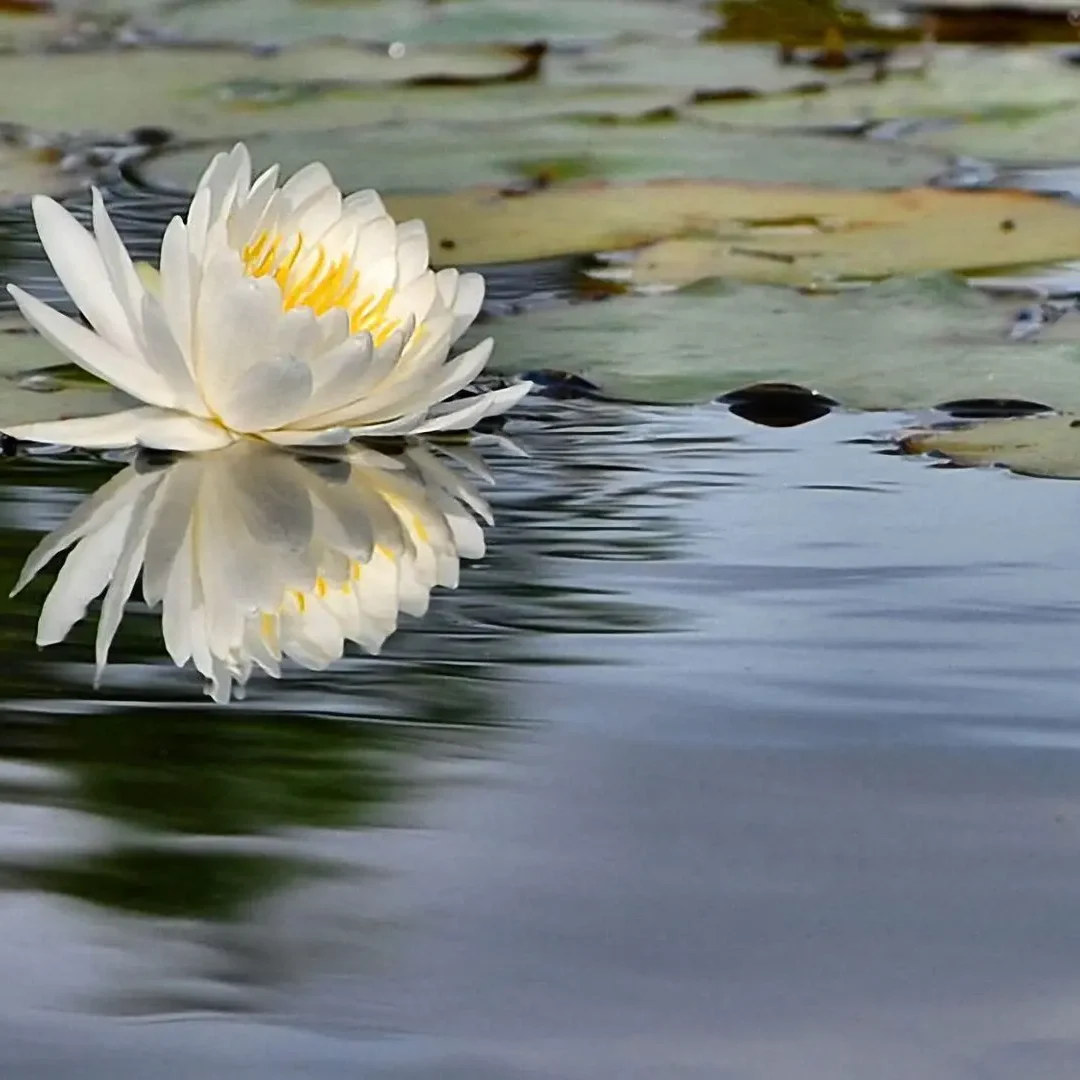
[(28, 168), (905, 344), (398, 158), (36, 382), (414, 21), (1032, 446), (759, 232), (958, 84), (207, 91)]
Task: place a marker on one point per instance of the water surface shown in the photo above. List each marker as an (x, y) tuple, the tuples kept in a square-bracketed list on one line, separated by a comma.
[(745, 752)]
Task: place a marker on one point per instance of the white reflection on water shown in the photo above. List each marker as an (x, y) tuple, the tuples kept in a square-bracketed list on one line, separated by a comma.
[(256, 554)]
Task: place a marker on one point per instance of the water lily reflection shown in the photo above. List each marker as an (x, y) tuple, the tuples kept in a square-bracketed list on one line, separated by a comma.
[(256, 554)]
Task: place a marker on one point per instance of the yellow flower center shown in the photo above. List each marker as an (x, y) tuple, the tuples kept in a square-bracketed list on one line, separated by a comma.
[(315, 281)]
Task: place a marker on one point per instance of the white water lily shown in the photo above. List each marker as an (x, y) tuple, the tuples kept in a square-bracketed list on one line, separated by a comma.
[(287, 313), (255, 555)]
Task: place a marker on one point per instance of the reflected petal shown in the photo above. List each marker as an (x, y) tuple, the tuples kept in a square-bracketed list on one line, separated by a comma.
[(256, 553)]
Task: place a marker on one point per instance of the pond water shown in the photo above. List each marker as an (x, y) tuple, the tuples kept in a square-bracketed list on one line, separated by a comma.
[(744, 752)]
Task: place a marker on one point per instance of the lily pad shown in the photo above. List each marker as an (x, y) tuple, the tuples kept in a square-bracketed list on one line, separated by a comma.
[(904, 344), (958, 83), (28, 168), (398, 158), (230, 94), (1031, 446), (420, 21), (1044, 136), (759, 232), (23, 402)]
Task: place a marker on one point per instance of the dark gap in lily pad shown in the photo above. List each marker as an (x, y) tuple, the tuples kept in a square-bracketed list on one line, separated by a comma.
[(991, 408), (563, 385), (778, 404)]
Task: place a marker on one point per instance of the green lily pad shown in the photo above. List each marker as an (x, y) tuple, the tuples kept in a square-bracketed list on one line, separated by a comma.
[(399, 158), (1051, 135), (959, 83), (902, 344), (418, 21), (1031, 446), (37, 383)]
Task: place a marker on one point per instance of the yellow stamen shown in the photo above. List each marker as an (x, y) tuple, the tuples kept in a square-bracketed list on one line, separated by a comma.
[(262, 267), (281, 274), (323, 286), (292, 298)]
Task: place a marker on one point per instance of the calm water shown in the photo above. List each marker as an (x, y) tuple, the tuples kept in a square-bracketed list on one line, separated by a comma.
[(745, 753)]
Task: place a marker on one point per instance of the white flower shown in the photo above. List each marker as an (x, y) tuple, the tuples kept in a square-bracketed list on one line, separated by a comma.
[(289, 313), (255, 554)]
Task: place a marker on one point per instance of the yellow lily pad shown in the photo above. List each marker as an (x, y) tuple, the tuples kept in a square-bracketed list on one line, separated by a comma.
[(29, 169), (784, 234)]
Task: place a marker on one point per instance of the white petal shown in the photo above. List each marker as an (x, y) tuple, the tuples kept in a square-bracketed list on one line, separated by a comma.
[(403, 425), (84, 575), (198, 224), (242, 327), (126, 286), (267, 395), (166, 357), (78, 263), (363, 206), (458, 416), (178, 280), (246, 217), (447, 282), (306, 183), (166, 537), (339, 373), (383, 361), (155, 428), (88, 517), (463, 369), (415, 298), (124, 575), (420, 391), (413, 257), (93, 353), (178, 604), (333, 436), (467, 302)]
